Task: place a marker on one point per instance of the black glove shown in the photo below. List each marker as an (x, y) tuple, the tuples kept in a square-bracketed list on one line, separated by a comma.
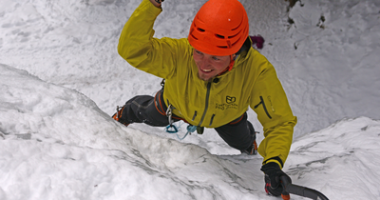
[(272, 178)]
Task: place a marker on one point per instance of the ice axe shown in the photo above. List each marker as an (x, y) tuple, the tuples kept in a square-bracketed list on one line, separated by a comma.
[(288, 187)]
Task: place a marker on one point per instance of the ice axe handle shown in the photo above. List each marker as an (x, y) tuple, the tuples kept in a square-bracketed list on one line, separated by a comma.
[(301, 191)]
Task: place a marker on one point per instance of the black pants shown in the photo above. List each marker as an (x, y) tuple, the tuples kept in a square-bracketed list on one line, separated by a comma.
[(238, 134)]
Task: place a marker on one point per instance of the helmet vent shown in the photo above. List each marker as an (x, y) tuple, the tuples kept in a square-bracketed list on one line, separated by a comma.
[(219, 36), (232, 36), (201, 30), (194, 37), (235, 43)]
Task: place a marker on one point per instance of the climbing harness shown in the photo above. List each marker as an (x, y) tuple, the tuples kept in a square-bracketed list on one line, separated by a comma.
[(171, 128)]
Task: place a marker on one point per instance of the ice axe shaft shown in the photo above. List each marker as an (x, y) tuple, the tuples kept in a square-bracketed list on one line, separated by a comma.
[(300, 190)]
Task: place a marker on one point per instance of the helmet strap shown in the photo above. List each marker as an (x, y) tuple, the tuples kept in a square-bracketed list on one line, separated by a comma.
[(229, 68), (231, 63)]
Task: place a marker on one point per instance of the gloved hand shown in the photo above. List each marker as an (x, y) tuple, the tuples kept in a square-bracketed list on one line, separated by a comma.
[(273, 173), (157, 3)]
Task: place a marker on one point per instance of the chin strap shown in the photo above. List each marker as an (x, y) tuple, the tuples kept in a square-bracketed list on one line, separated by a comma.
[(229, 68), (231, 63)]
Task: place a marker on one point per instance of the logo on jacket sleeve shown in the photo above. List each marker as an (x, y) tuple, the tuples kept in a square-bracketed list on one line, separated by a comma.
[(230, 100)]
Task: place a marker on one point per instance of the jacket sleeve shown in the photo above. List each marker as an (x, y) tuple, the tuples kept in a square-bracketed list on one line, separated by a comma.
[(138, 47), (270, 103)]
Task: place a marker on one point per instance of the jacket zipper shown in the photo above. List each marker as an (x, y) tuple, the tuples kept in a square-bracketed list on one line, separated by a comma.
[(206, 105)]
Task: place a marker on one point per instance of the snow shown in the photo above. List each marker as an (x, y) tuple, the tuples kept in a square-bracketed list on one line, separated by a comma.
[(61, 79)]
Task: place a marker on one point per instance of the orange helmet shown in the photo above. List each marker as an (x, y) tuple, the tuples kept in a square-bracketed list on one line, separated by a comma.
[(219, 28)]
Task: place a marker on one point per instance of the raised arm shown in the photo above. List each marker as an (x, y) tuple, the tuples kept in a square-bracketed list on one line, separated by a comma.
[(140, 49)]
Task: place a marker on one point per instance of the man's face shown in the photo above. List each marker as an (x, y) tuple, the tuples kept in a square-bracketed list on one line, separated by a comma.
[(210, 66)]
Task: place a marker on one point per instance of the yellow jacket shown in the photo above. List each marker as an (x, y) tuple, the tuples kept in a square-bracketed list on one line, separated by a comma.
[(251, 82)]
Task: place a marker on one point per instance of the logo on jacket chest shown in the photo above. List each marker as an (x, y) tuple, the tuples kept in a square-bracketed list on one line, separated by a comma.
[(228, 104), (230, 100)]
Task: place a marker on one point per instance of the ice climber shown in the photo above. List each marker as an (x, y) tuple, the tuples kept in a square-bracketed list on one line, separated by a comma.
[(211, 77)]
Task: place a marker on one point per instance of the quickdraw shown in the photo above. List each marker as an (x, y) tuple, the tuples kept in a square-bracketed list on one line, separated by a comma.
[(172, 129)]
